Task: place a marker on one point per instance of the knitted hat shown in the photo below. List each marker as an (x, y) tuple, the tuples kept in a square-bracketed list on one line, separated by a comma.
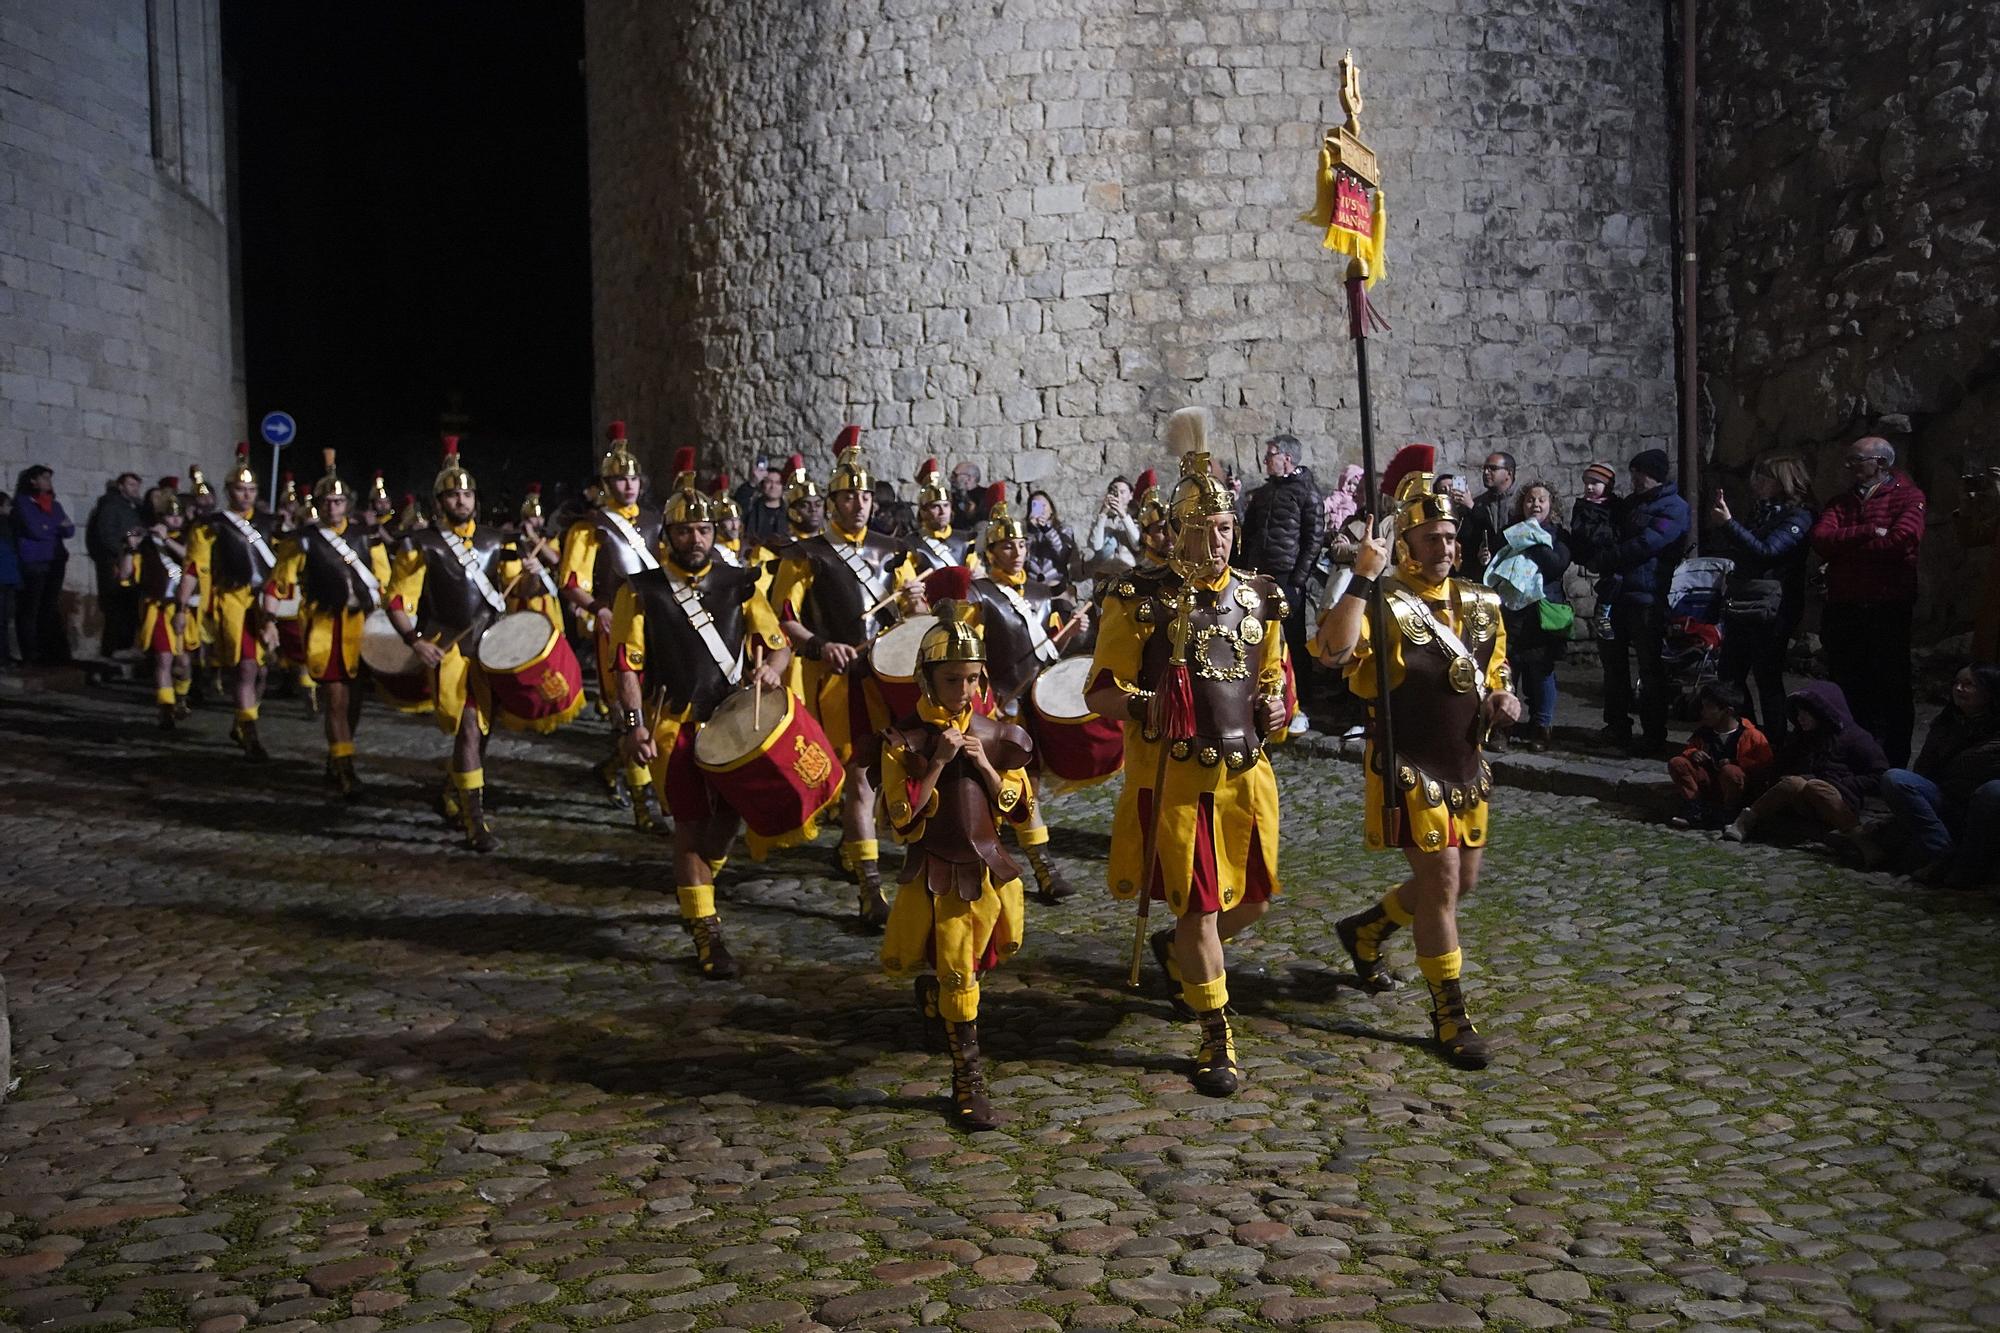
[(1653, 463), (1601, 472)]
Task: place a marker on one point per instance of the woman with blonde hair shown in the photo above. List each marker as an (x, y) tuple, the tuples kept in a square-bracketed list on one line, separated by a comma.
[(1766, 592)]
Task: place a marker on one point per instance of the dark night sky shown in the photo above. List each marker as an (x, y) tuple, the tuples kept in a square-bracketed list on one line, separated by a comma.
[(413, 199)]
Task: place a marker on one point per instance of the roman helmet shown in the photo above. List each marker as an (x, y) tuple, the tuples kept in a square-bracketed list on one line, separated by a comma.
[(239, 473), (1152, 507), (618, 460), (849, 472), (531, 503), (411, 518), (931, 486), (723, 498), (955, 638), (330, 484), (197, 484), (1411, 479), (687, 504), (164, 501), (378, 490), (288, 490), (451, 476), (798, 486), (1001, 523)]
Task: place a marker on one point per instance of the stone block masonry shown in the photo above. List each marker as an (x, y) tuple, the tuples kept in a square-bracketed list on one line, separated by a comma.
[(116, 332), (1020, 233)]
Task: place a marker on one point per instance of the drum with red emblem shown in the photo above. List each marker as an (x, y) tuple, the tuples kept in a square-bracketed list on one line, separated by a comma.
[(769, 760), (533, 673), (1072, 744)]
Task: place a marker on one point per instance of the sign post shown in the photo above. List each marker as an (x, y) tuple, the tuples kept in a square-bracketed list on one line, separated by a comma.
[(278, 430)]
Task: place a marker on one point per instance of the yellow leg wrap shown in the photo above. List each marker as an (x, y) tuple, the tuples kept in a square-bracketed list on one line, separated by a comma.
[(165, 694), (697, 900), (959, 1005), (715, 866), (1202, 996), (861, 849), (181, 686), (1443, 967), (1392, 907), (471, 779), (1032, 835), (340, 749), (247, 714), (639, 778)]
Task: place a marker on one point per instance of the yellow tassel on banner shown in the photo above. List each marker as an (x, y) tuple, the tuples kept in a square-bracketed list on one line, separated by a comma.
[(1370, 248)]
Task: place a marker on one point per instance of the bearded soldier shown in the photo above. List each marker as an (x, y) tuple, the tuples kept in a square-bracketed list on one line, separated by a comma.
[(235, 546), (685, 635), (611, 544), (1197, 663), (834, 592)]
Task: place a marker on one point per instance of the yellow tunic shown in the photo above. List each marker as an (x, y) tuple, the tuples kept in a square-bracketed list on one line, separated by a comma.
[(224, 610), (1244, 803), (827, 692), (579, 570), (458, 680), (1431, 827), (321, 622), (157, 617)]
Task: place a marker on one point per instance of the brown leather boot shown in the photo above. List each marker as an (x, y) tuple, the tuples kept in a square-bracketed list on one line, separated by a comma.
[(479, 835), (1163, 954), (169, 717), (447, 804), (1462, 1042), (927, 1008), (1049, 876), (345, 780), (612, 774), (244, 733), (872, 906), (1363, 933), (970, 1110), (643, 818), (709, 950), (1214, 1070)]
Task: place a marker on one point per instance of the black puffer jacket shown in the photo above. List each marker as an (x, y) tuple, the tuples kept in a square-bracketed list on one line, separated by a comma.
[(1281, 530)]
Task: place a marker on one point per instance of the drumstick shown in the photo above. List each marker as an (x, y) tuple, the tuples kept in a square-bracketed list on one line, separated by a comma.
[(1059, 638), (884, 600), (757, 688)]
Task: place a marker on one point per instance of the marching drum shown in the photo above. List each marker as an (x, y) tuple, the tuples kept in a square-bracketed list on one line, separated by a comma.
[(399, 673), (893, 659), (284, 613), (777, 769), (1072, 744), (536, 682)]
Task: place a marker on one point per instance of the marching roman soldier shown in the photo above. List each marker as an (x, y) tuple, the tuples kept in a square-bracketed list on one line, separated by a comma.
[(950, 775), (834, 592), (1449, 686), (235, 546), (935, 546), (340, 572), (448, 584), (805, 506), (204, 675), (685, 635), (611, 544), (1198, 665), (169, 593), (728, 522), (1026, 626)]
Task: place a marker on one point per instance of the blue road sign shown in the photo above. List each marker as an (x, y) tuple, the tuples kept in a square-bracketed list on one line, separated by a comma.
[(278, 428)]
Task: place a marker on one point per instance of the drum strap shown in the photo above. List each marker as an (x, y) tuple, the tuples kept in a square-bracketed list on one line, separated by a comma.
[(939, 551), (870, 577), (263, 560), (355, 563), (1045, 649), (689, 601), (173, 575), (630, 536), (468, 560), (727, 557), (1441, 634)]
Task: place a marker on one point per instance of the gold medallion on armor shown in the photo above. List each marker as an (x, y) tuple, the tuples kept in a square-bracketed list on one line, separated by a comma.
[(1251, 631), (1206, 666), (1463, 674), (1247, 598)]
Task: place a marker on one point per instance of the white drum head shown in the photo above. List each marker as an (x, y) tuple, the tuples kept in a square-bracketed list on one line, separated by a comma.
[(894, 656), (514, 640), (384, 650), (1058, 691), (282, 608), (729, 734)]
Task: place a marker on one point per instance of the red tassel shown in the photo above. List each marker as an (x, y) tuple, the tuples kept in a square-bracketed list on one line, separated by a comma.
[(1173, 704)]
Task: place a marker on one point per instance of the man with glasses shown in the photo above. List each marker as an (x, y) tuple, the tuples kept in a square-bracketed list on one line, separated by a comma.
[(1491, 513), (1868, 535), (1282, 524)]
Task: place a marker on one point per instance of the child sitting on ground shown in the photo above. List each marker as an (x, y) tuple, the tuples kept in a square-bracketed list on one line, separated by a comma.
[(1826, 769), (1725, 756)]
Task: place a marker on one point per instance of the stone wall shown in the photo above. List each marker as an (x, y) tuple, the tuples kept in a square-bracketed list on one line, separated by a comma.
[(116, 347), (1021, 232), (1850, 243)]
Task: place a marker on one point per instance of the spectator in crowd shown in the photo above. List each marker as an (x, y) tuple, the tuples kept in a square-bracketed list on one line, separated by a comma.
[(1948, 803), (1826, 768), (1726, 758), (1527, 572), (1593, 519), (968, 499), (1868, 536), (1052, 556), (115, 514), (10, 581), (1454, 486), (892, 515), (1114, 534), (764, 520), (1281, 538), (42, 531), (1650, 540), (1481, 538), (1341, 504), (1767, 589)]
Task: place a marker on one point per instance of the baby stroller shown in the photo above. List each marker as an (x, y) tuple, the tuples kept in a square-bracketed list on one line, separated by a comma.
[(1692, 649)]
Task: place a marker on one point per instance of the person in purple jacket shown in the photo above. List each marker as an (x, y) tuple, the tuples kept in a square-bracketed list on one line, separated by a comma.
[(1826, 768), (40, 530)]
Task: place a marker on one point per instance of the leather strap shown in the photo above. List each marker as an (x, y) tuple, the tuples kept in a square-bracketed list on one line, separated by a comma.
[(630, 536), (259, 548), (1447, 641), (355, 563), (468, 560), (688, 599)]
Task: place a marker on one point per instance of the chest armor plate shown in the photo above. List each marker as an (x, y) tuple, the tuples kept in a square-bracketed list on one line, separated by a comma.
[(328, 581), (616, 560), (677, 660), (961, 842), (451, 603), (1437, 724), (931, 553), (232, 561), (1011, 659), (839, 594), (156, 581), (1226, 631)]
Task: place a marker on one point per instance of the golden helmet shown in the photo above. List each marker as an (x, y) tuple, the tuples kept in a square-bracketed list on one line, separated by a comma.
[(687, 504), (1002, 525), (239, 473), (309, 511), (288, 490), (931, 487), (1152, 507), (849, 472), (1197, 494), (618, 460), (378, 490), (451, 476), (197, 484), (1411, 479), (165, 499), (330, 484), (955, 638), (798, 486), (531, 504), (723, 497), (412, 516)]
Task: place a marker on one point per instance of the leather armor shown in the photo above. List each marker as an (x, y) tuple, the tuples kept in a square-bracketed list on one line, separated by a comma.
[(923, 552), (616, 560), (232, 561), (960, 844), (1226, 632), (451, 605), (1011, 657), (677, 660), (155, 583), (838, 595), (1437, 724), (328, 581)]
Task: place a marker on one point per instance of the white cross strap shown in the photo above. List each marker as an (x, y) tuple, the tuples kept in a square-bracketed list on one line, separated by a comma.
[(355, 563), (1045, 648), (260, 550), (939, 551), (630, 536), (468, 560), (688, 599)]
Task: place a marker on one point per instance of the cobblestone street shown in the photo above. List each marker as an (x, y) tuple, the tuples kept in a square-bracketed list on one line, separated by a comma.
[(286, 1063)]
